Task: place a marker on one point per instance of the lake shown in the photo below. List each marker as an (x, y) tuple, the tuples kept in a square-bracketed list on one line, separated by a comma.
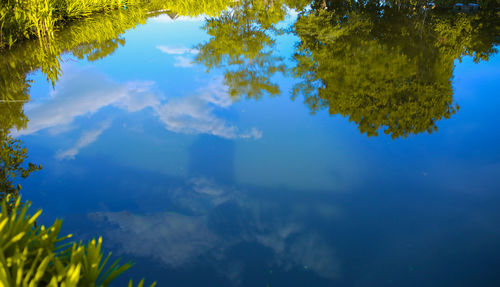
[(285, 145)]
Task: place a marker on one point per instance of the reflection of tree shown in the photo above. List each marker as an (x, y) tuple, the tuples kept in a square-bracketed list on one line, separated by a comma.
[(12, 165), (241, 41), (93, 38), (12, 152), (195, 7), (384, 67)]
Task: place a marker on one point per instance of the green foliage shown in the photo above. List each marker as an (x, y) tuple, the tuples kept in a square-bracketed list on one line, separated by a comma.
[(13, 90), (25, 19), (241, 41), (32, 255), (193, 8), (386, 68), (385, 65), (12, 157), (342, 6), (92, 38), (12, 152)]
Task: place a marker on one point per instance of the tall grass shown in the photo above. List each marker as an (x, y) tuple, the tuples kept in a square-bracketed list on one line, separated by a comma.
[(33, 255), (92, 38), (82, 8), (24, 19)]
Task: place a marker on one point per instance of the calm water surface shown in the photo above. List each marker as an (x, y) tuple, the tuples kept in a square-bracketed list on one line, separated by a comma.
[(233, 152)]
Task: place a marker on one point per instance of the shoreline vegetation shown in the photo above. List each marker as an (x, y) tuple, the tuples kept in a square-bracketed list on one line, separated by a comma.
[(92, 37), (241, 39), (41, 19), (400, 60), (34, 34), (25, 19), (35, 255)]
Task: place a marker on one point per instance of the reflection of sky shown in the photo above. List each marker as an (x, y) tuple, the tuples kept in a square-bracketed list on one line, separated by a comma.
[(185, 181), (177, 240)]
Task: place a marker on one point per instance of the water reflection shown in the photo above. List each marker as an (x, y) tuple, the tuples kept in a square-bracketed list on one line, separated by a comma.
[(242, 41), (168, 177), (91, 38), (207, 222), (85, 92), (387, 67), (13, 153), (12, 165)]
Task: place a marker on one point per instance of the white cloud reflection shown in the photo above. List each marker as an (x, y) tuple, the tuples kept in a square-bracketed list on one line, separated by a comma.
[(85, 92), (83, 95), (172, 238), (86, 139), (176, 50), (182, 60), (195, 115), (181, 239)]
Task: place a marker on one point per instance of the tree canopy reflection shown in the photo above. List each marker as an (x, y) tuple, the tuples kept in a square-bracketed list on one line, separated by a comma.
[(386, 67), (91, 38), (242, 42), (12, 151), (383, 65)]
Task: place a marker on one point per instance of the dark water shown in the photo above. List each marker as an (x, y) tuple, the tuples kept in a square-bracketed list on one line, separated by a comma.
[(271, 147)]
